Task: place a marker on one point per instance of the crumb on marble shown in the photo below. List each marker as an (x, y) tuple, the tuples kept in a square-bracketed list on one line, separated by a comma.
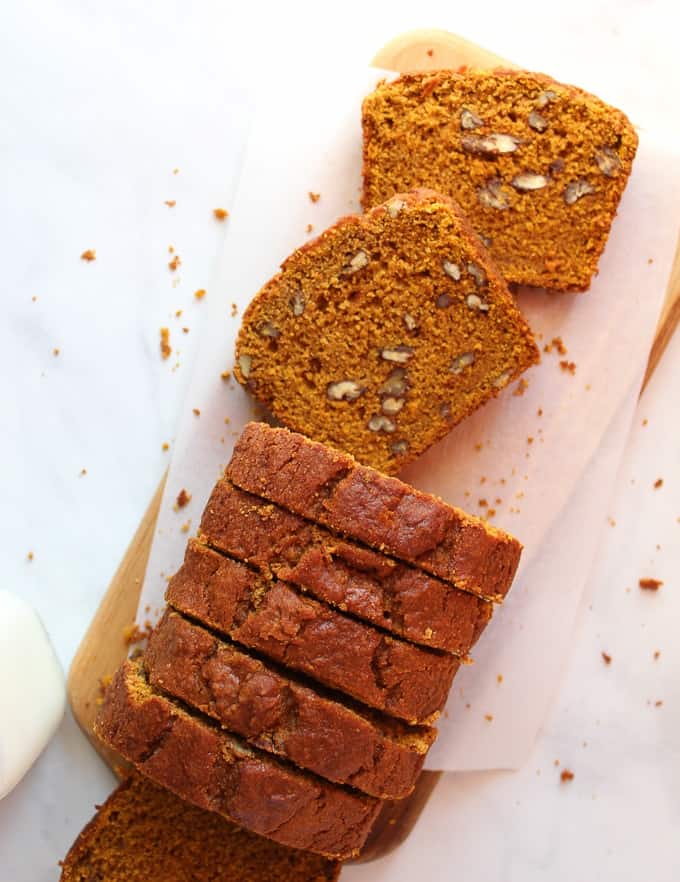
[(648, 584), (174, 263), (186, 526), (309, 228), (89, 255), (658, 483), (606, 658), (166, 348), (566, 775), (196, 411), (657, 655), (171, 203), (568, 367), (220, 214), (226, 375), (200, 294), (165, 446), (520, 388), (29, 556), (56, 352), (314, 197), (234, 310), (488, 718)]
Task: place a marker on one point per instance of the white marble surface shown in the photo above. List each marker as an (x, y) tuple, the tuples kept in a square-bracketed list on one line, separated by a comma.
[(98, 105)]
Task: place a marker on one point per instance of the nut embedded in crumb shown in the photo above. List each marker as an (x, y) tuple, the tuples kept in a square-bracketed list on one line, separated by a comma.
[(166, 348), (606, 658), (89, 255), (220, 213), (200, 294), (566, 775), (650, 584), (314, 197), (183, 498)]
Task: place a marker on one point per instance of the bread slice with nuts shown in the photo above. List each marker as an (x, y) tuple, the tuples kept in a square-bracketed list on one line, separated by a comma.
[(383, 333), (538, 167)]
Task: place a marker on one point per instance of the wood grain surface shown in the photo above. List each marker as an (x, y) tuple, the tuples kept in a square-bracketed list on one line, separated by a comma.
[(104, 647)]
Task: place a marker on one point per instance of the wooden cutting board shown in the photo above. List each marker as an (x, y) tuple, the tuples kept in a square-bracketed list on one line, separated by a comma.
[(104, 647)]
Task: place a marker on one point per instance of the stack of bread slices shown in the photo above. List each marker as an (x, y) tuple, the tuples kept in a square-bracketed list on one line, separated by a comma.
[(309, 643)]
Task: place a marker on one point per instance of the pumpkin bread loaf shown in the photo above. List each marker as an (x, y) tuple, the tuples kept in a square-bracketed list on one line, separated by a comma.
[(538, 167), (367, 584), (214, 770), (279, 714), (332, 488), (384, 332), (143, 832), (386, 673)]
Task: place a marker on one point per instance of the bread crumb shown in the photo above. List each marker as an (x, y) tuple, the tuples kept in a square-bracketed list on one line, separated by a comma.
[(611, 521), (29, 556), (650, 584), (165, 446), (499, 678), (428, 633), (166, 348), (482, 503), (134, 634), (645, 422), (488, 717), (185, 330), (658, 703), (521, 388), (220, 213), (171, 203), (196, 411), (606, 658), (539, 412), (200, 294), (174, 263), (186, 526), (34, 299), (183, 498), (83, 472), (309, 228), (478, 446), (658, 483), (55, 352), (234, 310), (314, 197), (430, 52), (226, 375), (656, 655), (556, 763), (530, 439), (568, 366), (89, 255), (556, 343), (178, 313), (566, 775), (175, 171), (491, 513)]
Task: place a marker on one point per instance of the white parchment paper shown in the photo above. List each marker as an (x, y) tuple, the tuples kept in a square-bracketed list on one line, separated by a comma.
[(544, 461)]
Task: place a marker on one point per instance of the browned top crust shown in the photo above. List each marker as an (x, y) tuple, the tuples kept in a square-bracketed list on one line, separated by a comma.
[(404, 680), (144, 832), (279, 714), (384, 332), (215, 771), (538, 166), (395, 596), (331, 488)]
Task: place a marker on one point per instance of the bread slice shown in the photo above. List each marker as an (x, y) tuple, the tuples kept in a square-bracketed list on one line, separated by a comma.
[(394, 596), (404, 680), (537, 166), (384, 332), (216, 771), (143, 832), (277, 713), (331, 488)]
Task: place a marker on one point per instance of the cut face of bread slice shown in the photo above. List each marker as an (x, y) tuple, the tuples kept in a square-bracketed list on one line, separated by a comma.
[(331, 488), (144, 832), (404, 680), (538, 167), (216, 771), (383, 333), (281, 715), (392, 595)]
